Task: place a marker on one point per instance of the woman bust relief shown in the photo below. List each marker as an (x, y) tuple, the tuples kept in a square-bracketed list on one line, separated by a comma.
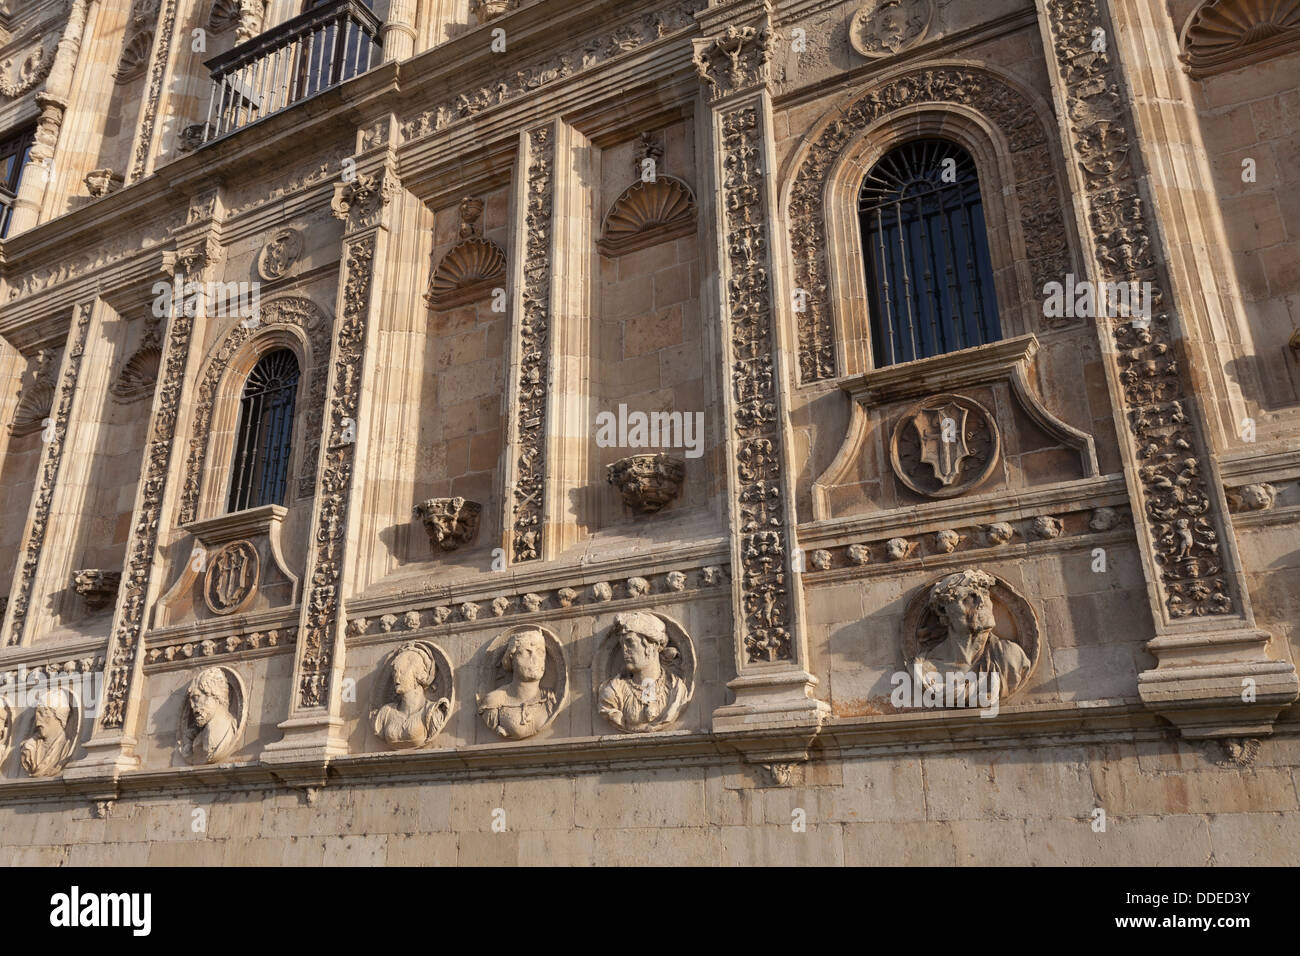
[(410, 718)]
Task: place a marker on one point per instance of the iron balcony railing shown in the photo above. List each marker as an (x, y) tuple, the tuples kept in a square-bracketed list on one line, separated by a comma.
[(327, 45)]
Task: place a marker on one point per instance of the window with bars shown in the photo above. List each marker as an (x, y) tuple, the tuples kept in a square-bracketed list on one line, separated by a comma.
[(15, 150), (264, 437), (929, 275)]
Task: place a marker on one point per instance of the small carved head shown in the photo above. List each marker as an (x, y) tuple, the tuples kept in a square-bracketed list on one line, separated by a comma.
[(413, 668), (1103, 519), (411, 619), (821, 560), (644, 641), (500, 605), (566, 596), (208, 694), (601, 591), (525, 655), (637, 587), (897, 548), (963, 603), (859, 553), (1046, 526), (1258, 497), (999, 533), (946, 541), (469, 611), (676, 581), (533, 602)]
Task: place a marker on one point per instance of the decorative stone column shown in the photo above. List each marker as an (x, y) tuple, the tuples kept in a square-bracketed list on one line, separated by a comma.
[(53, 101), (312, 730), (399, 30), (112, 742), (773, 687), (1214, 675), (53, 452)]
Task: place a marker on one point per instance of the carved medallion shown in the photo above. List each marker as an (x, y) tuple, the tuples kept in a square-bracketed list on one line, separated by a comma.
[(529, 677), (644, 674), (413, 696), (53, 732), (232, 577), (944, 445), (279, 254), (883, 28), (212, 717), (970, 622)]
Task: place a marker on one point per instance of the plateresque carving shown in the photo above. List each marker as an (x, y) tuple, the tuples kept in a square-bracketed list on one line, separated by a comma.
[(647, 482), (56, 726), (279, 254), (212, 716), (232, 578), (531, 679), (96, 587), (883, 28), (1226, 34), (1034, 180), (944, 446), (652, 673), (646, 214), (471, 267), (950, 631), (34, 68), (450, 522), (38, 395), (244, 15), (413, 696)]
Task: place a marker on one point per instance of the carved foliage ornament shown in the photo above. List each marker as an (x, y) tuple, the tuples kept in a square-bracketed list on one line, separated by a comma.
[(944, 446), (764, 548), (534, 326), (883, 28), (47, 476), (1226, 34), (1035, 185), (153, 95), (1185, 529)]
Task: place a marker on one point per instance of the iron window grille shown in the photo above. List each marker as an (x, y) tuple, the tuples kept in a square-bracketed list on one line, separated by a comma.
[(15, 151), (264, 437), (929, 274)]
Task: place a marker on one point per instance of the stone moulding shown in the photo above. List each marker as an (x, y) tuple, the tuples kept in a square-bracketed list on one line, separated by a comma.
[(1224, 35), (97, 587), (450, 522), (466, 273), (647, 482), (646, 214)]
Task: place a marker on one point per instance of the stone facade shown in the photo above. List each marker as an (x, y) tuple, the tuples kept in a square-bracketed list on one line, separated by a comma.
[(603, 534)]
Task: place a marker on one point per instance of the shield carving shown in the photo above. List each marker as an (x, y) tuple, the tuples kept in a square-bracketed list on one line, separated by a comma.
[(942, 432), (232, 578)]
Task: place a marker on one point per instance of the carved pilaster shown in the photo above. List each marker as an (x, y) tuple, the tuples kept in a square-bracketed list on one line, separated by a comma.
[(54, 433), (144, 140), (312, 727), (1214, 676), (772, 687)]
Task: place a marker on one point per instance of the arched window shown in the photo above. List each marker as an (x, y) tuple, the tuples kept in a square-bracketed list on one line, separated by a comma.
[(929, 277), (265, 434)]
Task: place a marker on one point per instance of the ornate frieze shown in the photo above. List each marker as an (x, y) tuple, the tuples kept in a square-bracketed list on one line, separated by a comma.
[(47, 476), (295, 311), (590, 53), (184, 647), (534, 333), (1035, 187), (1184, 526)]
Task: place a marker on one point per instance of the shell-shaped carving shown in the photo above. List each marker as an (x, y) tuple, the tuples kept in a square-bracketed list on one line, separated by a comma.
[(465, 273), (1224, 34), (135, 56), (34, 407), (648, 213), (138, 374)]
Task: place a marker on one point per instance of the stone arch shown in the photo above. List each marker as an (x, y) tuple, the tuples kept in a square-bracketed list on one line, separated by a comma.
[(291, 322), (1004, 130)]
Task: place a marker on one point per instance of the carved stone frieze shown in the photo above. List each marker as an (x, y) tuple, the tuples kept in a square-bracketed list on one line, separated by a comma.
[(295, 311), (212, 717), (450, 522), (184, 647), (591, 52), (882, 28), (647, 482), (527, 670), (1184, 526), (47, 476), (96, 586), (644, 673), (529, 427), (646, 214), (413, 697), (1034, 181)]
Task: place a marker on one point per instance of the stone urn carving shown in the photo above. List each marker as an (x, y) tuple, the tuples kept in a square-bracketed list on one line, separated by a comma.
[(450, 522), (96, 587), (647, 482)]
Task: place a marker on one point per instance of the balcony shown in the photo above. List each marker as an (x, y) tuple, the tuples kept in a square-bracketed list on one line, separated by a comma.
[(316, 50)]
